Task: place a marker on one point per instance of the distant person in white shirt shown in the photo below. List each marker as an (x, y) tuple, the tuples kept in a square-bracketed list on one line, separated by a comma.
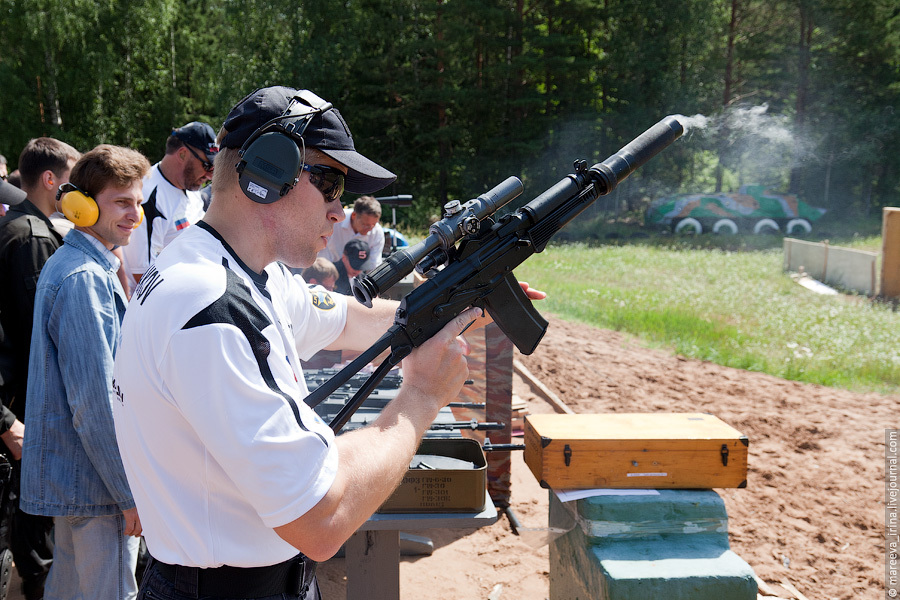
[(361, 222), (172, 199)]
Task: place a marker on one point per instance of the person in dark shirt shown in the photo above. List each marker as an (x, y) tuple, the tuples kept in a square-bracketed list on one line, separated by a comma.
[(356, 253), (27, 239)]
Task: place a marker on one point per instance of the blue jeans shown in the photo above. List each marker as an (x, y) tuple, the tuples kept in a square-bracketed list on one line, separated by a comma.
[(155, 586), (93, 559)]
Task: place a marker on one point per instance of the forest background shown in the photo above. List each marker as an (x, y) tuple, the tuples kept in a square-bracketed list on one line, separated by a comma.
[(456, 95)]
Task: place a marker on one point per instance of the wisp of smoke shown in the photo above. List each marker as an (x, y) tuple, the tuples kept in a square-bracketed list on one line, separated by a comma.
[(693, 122), (759, 146)]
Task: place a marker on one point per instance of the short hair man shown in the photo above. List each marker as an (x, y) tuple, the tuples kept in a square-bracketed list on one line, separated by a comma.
[(28, 237), (248, 475), (353, 259), (71, 468), (172, 200), (321, 272), (361, 223)]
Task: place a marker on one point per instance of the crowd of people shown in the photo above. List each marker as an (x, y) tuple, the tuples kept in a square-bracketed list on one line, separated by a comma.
[(153, 320)]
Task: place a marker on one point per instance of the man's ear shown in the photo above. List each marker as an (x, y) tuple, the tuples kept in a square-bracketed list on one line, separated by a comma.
[(49, 180)]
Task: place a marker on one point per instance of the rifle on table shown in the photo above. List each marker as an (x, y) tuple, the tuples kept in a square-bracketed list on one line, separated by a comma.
[(479, 271)]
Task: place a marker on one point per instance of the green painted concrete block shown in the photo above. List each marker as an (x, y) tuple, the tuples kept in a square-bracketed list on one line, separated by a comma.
[(672, 546)]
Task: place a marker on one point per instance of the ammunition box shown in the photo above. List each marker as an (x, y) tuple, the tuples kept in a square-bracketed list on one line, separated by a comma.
[(442, 490)]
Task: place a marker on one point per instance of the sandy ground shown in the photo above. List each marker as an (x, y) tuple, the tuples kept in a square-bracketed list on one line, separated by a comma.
[(812, 514)]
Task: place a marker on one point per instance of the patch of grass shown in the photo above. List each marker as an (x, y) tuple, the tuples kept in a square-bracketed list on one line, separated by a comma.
[(733, 308)]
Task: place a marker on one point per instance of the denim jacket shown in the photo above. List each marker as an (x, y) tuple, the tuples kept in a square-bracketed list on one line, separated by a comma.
[(70, 460)]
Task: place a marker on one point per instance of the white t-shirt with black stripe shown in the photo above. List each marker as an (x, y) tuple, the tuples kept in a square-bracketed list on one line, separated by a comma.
[(168, 211), (217, 443)]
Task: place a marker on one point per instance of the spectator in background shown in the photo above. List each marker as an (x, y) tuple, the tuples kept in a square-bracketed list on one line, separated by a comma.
[(353, 259), (360, 223), (11, 429), (172, 198), (27, 240), (321, 272), (10, 195), (15, 178), (71, 467), (4, 168)]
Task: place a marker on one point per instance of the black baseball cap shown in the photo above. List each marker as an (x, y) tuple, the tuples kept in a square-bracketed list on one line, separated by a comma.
[(199, 135), (327, 132), (357, 252), (10, 194)]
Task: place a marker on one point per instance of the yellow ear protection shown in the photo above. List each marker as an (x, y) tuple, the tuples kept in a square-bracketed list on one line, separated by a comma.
[(272, 157), (78, 206), (81, 208)]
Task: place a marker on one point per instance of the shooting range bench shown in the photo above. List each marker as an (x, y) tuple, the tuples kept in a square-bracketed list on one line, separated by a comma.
[(373, 553)]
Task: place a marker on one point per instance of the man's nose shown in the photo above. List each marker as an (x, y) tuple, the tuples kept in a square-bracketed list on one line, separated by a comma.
[(336, 212)]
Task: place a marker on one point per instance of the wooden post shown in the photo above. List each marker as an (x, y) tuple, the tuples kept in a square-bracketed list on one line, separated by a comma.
[(890, 253)]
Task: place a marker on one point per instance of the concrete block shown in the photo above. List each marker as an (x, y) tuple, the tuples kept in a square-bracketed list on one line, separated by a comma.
[(848, 268), (672, 546)]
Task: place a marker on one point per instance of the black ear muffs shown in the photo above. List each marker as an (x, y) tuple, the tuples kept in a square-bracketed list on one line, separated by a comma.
[(273, 155), (270, 167), (77, 206)]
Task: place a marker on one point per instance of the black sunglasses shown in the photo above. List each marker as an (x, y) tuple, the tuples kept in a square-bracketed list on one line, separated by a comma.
[(328, 180), (208, 166)]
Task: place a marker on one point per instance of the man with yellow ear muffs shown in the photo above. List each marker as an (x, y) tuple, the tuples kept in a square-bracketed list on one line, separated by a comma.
[(69, 435)]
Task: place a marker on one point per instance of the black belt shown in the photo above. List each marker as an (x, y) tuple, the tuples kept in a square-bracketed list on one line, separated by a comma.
[(293, 576)]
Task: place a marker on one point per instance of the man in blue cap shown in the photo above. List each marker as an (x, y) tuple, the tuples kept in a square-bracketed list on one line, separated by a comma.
[(172, 199), (240, 486)]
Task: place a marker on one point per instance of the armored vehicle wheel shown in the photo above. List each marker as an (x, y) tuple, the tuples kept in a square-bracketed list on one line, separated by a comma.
[(765, 226), (689, 225), (726, 226), (800, 226)]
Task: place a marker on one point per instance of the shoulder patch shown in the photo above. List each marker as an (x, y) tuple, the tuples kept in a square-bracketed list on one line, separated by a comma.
[(322, 300)]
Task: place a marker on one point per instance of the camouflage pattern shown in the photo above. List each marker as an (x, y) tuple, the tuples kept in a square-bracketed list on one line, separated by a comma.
[(750, 204)]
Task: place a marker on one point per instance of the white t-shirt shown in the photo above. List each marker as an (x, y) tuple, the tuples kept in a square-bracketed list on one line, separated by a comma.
[(343, 233), (217, 443), (167, 212)]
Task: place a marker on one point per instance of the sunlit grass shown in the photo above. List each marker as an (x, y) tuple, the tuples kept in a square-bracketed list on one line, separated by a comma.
[(733, 308)]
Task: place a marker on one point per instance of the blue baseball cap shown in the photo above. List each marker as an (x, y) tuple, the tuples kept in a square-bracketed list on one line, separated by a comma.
[(199, 135)]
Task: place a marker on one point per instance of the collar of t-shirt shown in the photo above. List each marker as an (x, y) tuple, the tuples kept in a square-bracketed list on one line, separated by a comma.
[(259, 279), (101, 248), (166, 179)]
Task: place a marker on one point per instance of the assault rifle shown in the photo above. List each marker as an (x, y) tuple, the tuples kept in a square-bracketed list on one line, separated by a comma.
[(479, 270)]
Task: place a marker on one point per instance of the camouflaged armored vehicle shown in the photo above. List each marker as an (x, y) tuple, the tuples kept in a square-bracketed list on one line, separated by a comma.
[(754, 209)]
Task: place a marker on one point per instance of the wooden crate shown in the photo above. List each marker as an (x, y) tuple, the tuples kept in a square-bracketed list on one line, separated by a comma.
[(653, 450)]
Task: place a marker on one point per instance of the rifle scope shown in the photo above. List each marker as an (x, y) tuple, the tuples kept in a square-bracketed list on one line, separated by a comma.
[(459, 220)]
